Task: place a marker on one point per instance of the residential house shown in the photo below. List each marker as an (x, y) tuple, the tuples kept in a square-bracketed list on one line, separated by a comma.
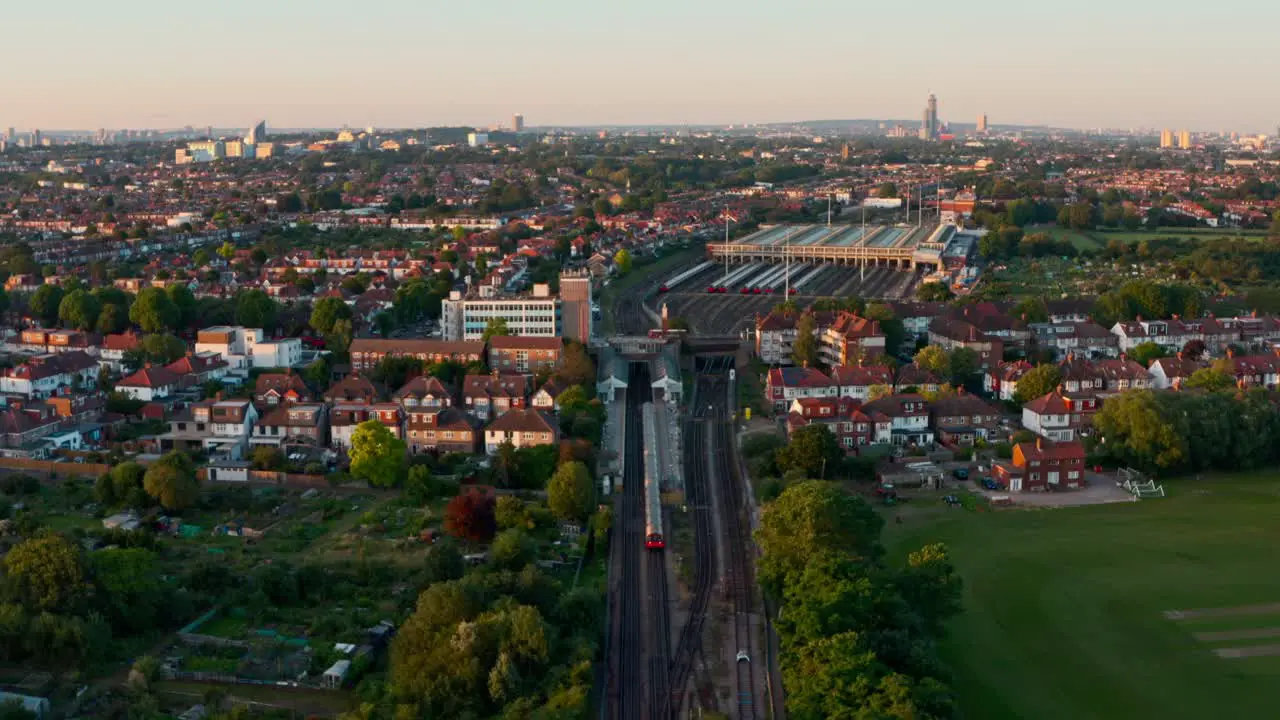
[(489, 396), (112, 351), (248, 348), (1082, 338), (1002, 380), (512, 354), (914, 376), (424, 391), (856, 381), (23, 431), (440, 430), (522, 428), (547, 398), (353, 389), (963, 418), (215, 426), (273, 389), (1043, 465), (1081, 375), (198, 368), (47, 375), (149, 384), (1170, 372), (784, 385), (1123, 374), (776, 334), (950, 334), (344, 417), (1060, 416), (908, 416), (291, 423), (852, 428), (850, 340), (1261, 371), (1175, 333)]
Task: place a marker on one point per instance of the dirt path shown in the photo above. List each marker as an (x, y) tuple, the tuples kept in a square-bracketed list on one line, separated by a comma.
[(1248, 652), (1250, 634), (1237, 611)]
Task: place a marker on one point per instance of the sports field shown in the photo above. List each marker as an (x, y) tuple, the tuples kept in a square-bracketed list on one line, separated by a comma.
[(1095, 239), (1067, 613)]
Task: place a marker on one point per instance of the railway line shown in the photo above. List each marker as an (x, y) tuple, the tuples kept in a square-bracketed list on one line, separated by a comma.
[(739, 579), (632, 694), (703, 558)]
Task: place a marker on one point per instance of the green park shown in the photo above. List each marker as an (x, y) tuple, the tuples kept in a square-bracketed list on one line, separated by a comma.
[(1164, 608)]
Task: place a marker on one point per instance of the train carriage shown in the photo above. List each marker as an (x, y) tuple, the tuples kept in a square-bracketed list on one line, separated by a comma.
[(653, 536)]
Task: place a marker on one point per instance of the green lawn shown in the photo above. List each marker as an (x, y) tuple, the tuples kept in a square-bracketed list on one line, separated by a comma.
[(1064, 609), (1080, 239)]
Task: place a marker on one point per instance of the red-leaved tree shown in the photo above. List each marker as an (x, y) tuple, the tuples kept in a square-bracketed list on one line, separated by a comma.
[(470, 516)]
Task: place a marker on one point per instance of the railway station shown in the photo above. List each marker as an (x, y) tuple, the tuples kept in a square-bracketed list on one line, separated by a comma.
[(904, 247)]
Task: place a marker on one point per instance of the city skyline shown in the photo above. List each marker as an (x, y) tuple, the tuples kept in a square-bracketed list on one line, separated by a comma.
[(660, 63)]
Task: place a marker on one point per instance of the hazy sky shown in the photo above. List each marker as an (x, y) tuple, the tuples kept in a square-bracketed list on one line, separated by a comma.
[(390, 63)]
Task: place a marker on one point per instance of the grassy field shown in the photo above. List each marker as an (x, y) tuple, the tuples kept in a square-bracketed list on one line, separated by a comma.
[(1095, 239), (1064, 610)]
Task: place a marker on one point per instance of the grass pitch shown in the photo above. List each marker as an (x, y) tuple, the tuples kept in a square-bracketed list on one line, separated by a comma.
[(1065, 610)]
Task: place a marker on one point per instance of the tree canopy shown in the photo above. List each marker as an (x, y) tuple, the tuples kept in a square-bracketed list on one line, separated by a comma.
[(570, 493), (377, 455)]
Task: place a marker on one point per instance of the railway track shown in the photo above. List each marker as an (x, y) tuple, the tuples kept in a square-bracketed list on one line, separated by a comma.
[(630, 681), (703, 558), (739, 579)]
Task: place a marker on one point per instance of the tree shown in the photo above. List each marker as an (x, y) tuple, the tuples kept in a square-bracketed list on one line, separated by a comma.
[(1031, 310), (1038, 382), (339, 338), (185, 303), (470, 516), (1194, 350), (265, 457), (256, 309), (512, 549), (201, 257), (153, 311), (622, 260), (327, 311), (509, 512), (1145, 353), (129, 580), (804, 352), (172, 481), (227, 251), (935, 359), (934, 292), (962, 363), (495, 327), (79, 310), (46, 573), (809, 451), (576, 367), (805, 520), (112, 319), (887, 190), (45, 303), (1211, 380), (377, 456), (570, 493)]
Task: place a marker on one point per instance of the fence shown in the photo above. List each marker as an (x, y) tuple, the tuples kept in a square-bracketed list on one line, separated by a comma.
[(48, 467)]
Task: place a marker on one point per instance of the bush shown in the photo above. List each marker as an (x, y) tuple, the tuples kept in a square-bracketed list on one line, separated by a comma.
[(19, 484)]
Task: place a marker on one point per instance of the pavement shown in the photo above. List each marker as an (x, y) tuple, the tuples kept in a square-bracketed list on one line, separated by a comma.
[(1099, 490)]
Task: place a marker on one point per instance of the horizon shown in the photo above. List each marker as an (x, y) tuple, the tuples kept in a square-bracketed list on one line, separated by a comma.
[(568, 63)]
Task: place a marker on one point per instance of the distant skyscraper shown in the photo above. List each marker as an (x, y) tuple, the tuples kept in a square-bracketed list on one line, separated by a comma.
[(517, 123), (36, 138), (11, 135), (257, 133), (1184, 140), (982, 123), (1166, 139), (929, 127)]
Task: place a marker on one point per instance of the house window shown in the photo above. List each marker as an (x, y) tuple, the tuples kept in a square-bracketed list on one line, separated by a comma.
[(1035, 477)]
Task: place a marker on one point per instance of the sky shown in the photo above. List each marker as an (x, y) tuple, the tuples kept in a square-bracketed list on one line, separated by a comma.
[(84, 64)]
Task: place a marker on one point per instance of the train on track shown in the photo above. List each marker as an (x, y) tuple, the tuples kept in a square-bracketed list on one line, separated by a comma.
[(653, 537)]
